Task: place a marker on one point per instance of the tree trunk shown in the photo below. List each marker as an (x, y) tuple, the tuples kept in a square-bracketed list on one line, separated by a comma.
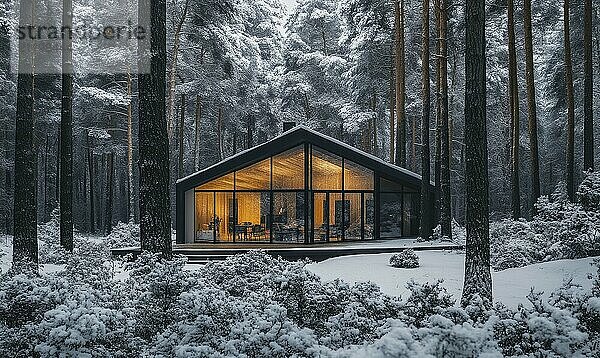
[(570, 170), (306, 107), (400, 159), (180, 136), (90, 156), (531, 106), (108, 208), (445, 199), (323, 39), (220, 132), (198, 116), (413, 143), (46, 180), (25, 247), (130, 197), (391, 108), (478, 280), (588, 121), (155, 214), (426, 204), (374, 125), (250, 132), (173, 70), (515, 197), (66, 133), (438, 115)]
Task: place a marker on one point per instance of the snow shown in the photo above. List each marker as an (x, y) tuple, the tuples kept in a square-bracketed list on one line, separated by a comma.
[(510, 286), (6, 258)]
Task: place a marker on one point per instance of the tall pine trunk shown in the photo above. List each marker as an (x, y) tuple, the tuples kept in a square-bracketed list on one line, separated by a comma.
[(391, 105), (90, 158), (438, 114), (108, 207), (155, 214), (197, 117), (173, 69), (445, 199), (130, 200), (570, 170), (588, 121), (180, 137), (400, 159), (25, 247), (478, 280), (515, 197), (220, 133), (426, 214), (66, 132), (531, 107)]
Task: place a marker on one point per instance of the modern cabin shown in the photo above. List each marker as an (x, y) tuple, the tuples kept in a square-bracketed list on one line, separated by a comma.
[(301, 187)]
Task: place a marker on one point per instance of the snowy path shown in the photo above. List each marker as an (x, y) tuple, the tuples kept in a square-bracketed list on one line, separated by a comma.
[(510, 286)]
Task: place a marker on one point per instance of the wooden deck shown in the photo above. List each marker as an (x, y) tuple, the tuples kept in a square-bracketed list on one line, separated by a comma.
[(202, 253)]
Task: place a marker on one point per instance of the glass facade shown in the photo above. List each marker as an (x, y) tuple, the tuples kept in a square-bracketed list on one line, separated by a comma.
[(399, 210), (278, 200)]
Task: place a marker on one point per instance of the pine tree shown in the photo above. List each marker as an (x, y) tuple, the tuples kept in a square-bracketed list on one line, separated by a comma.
[(514, 113), (155, 216), (426, 214), (478, 280), (66, 131), (445, 198), (570, 170), (588, 121), (25, 246), (531, 106), (400, 85)]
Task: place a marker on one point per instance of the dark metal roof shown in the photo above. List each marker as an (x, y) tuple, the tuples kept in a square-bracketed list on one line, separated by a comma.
[(290, 139)]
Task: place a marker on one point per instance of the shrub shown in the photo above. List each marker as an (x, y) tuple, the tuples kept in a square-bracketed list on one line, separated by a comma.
[(425, 300), (405, 259), (588, 192), (560, 230)]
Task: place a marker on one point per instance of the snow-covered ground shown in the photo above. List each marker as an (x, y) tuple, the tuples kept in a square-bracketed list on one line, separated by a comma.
[(510, 286), (6, 257)]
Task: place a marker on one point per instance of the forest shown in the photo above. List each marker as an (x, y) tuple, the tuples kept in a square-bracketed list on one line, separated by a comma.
[(350, 69), (491, 101)]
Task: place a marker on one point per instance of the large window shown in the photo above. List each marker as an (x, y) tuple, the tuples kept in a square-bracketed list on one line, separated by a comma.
[(267, 201), (357, 177), (254, 177), (326, 170), (353, 213), (224, 216), (288, 216), (399, 210), (204, 218), (222, 183), (288, 169), (391, 214)]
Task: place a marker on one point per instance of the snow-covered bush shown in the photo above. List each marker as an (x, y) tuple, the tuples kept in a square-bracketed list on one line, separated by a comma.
[(405, 259), (459, 233), (514, 244), (255, 305), (124, 235), (155, 285), (543, 330), (442, 337), (588, 192), (425, 300), (560, 230)]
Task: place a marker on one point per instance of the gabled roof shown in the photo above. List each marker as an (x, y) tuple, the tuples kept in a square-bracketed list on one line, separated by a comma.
[(290, 139)]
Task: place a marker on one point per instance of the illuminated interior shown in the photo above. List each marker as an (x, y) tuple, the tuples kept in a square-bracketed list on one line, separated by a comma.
[(275, 200)]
